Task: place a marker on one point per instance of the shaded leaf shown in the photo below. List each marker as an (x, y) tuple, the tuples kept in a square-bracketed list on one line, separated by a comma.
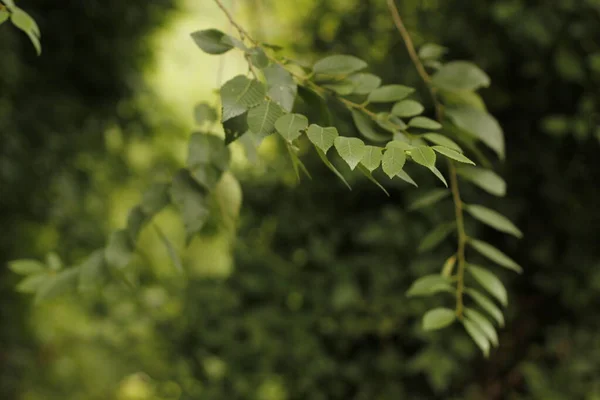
[(296, 162), (92, 272), (208, 158), (424, 123), (364, 83), (495, 255), (261, 119), (406, 178), (258, 58), (389, 122), (436, 236), (438, 318), (365, 126), (290, 126), (460, 75), (321, 137), (493, 219), (32, 283), (485, 179), (203, 112), (351, 150), (155, 198), (448, 266), (407, 108), (429, 285), (119, 250), (389, 93), (339, 65), (236, 127), (372, 158), (331, 167), (439, 175), (429, 198), (26, 267), (61, 283), (344, 87), (191, 201), (487, 305), (453, 154), (239, 94), (480, 125), (490, 282), (211, 41), (370, 177), (282, 88), (135, 222), (24, 22)]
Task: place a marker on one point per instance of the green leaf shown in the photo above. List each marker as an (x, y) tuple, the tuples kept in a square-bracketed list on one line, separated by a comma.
[(339, 65), (203, 112), (462, 98), (407, 108), (487, 305), (296, 162), (439, 175), (32, 283), (478, 336), (239, 94), (4, 15), (24, 22), (460, 75), (208, 158), (495, 255), (61, 283), (429, 285), (155, 198), (236, 128), (261, 119), (494, 219), (485, 179), (331, 167), (321, 137), (484, 325), (351, 150), (26, 267), (364, 83), (406, 178), (365, 126), (211, 41), (173, 255), (424, 123), (258, 57), (191, 200), (390, 122), (431, 51), (282, 88), (448, 266), (389, 93), (135, 222), (436, 236), (453, 154), (438, 318), (441, 140), (393, 161), (343, 87), (424, 156), (428, 199), (53, 261), (372, 158), (92, 272), (119, 250), (400, 144), (480, 125), (370, 177), (490, 282), (290, 126)]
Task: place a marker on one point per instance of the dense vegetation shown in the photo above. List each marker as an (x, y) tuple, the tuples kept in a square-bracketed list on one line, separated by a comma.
[(315, 305)]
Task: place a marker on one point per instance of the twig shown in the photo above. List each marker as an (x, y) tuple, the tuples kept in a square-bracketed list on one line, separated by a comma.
[(458, 205)]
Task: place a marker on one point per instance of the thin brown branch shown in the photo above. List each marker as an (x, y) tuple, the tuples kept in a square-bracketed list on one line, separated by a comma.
[(458, 205)]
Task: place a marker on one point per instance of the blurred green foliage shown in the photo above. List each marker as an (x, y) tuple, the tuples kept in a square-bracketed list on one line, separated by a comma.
[(314, 306)]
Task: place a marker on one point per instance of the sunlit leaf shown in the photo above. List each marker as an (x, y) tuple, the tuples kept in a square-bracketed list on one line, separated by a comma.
[(487, 305), (351, 150), (494, 219), (428, 285), (393, 161), (495, 255), (24, 22), (453, 154), (261, 119), (290, 126), (424, 123), (490, 282), (321, 137), (460, 75), (424, 156), (438, 318), (372, 157), (431, 51)]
